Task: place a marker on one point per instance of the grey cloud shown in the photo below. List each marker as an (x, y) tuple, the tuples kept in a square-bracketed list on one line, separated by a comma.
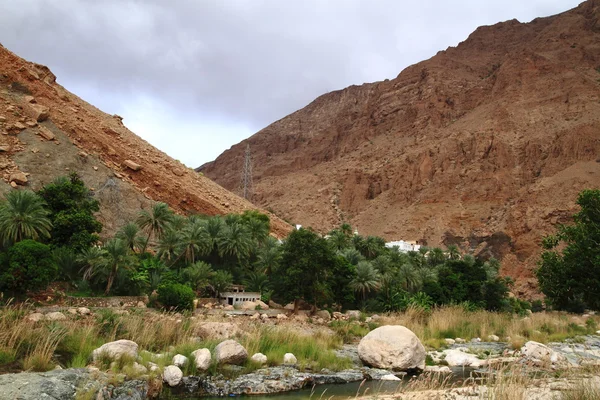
[(246, 62)]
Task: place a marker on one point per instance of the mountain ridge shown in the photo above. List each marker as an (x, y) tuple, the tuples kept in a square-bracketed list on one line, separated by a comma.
[(468, 147)]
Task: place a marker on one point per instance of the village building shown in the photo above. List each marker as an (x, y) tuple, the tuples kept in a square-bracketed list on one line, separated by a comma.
[(404, 246), (236, 294)]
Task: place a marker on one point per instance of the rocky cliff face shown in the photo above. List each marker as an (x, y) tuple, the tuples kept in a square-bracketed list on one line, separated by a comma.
[(47, 132), (485, 145)]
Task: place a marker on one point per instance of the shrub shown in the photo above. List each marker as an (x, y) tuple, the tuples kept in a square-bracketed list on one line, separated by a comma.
[(176, 296), (28, 265)]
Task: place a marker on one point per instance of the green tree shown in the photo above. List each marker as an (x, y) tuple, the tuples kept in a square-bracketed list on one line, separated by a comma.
[(269, 256), (305, 267), (221, 281), (28, 265), (235, 241), (72, 209), (155, 222), (23, 216), (129, 234), (570, 278), (195, 241), (199, 275), (367, 279), (113, 256)]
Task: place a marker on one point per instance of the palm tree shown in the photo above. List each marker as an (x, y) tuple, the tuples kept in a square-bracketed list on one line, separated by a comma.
[(453, 252), (113, 256), (338, 239), (346, 229), (436, 257), (221, 281), (195, 241), (130, 235), (366, 279), (408, 277), (169, 245), (351, 255), (258, 230), (234, 240), (269, 256), (155, 221), (256, 282), (199, 275), (22, 216)]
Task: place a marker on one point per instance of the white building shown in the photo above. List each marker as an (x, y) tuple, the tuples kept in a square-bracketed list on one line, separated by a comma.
[(404, 247), (237, 295)]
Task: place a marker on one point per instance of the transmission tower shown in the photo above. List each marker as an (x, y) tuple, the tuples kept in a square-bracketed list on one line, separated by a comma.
[(246, 184)]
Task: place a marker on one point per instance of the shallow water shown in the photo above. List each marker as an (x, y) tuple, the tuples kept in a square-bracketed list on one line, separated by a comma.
[(343, 391)]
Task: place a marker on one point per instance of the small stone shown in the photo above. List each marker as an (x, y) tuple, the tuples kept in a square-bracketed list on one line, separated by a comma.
[(72, 311), (2, 118), (31, 124), (45, 133), (35, 317), (179, 360), (132, 165), (264, 317), (459, 340), (389, 377), (259, 358), (13, 185), (4, 148), (82, 154), (282, 316), (29, 99), (289, 359), (95, 168), (202, 359), (84, 311), (19, 126), (449, 341), (493, 338), (55, 316)]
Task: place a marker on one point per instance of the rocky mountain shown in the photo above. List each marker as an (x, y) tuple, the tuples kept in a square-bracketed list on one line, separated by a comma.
[(485, 145), (48, 132)]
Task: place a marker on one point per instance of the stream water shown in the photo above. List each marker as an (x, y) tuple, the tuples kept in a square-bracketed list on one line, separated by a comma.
[(342, 391)]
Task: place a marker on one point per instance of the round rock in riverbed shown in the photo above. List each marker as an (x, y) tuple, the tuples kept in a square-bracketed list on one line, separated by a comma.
[(202, 359), (172, 375), (392, 347), (230, 352)]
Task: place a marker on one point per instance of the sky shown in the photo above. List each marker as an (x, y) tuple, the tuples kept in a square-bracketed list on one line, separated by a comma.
[(194, 77)]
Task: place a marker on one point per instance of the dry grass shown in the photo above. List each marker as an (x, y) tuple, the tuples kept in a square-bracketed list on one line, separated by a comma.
[(453, 321)]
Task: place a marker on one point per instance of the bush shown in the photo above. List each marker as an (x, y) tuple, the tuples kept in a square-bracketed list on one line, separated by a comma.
[(28, 265), (176, 296)]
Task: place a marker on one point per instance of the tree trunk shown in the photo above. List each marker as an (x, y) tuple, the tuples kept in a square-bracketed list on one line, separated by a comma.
[(296, 305)]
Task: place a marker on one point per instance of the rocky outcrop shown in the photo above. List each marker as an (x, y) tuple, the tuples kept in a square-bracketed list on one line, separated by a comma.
[(230, 352), (467, 147), (392, 347)]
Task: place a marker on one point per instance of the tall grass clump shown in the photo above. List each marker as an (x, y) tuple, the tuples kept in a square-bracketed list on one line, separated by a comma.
[(312, 351), (39, 358)]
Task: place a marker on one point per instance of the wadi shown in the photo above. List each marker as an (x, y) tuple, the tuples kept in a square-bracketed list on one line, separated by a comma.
[(430, 236)]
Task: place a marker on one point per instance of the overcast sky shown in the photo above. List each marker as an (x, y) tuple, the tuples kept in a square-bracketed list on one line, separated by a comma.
[(194, 77)]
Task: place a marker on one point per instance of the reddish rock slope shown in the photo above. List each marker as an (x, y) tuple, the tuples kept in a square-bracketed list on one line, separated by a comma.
[(486, 144), (47, 131)]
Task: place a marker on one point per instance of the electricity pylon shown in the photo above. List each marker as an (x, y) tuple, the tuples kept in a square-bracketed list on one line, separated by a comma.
[(246, 184)]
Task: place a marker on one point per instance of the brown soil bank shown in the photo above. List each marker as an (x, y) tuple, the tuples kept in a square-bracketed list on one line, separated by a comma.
[(485, 144), (48, 132)]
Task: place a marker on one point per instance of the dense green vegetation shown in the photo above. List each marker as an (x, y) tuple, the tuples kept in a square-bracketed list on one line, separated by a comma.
[(569, 270), (161, 251)]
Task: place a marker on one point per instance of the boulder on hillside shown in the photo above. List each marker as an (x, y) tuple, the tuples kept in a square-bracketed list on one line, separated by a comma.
[(392, 347), (132, 165), (115, 350), (46, 133), (37, 112), (202, 359), (230, 352), (18, 177), (172, 375)]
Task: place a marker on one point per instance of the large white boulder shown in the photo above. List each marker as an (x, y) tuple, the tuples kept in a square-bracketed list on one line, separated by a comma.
[(259, 358), (248, 305), (230, 352), (392, 347), (172, 375), (115, 350), (202, 358)]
